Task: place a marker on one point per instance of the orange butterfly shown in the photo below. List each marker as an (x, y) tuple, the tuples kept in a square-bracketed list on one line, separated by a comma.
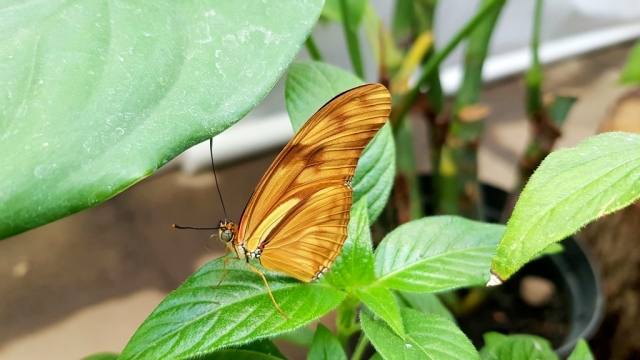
[(296, 220)]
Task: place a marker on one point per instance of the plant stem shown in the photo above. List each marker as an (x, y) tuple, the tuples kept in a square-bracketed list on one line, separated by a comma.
[(398, 113), (346, 319), (361, 346), (313, 50), (546, 119), (351, 35), (458, 180)]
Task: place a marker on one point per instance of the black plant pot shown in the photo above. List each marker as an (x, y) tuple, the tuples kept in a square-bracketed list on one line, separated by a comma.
[(575, 309)]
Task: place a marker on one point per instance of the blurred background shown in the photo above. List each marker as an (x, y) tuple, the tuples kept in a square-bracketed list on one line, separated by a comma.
[(84, 284)]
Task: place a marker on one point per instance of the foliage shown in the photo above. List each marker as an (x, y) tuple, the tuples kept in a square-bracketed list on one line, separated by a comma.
[(147, 82)]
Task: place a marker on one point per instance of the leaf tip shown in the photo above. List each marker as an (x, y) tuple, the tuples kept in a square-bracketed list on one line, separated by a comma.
[(494, 280)]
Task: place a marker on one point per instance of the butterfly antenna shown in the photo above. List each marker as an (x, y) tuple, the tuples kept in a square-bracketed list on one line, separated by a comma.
[(213, 167), (175, 226)]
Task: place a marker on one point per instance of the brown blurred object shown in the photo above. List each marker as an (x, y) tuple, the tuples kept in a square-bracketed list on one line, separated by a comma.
[(615, 240)]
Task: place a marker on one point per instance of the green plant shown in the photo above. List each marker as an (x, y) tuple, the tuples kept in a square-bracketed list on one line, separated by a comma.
[(384, 296)]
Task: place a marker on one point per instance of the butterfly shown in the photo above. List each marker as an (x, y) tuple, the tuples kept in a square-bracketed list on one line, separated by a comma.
[(296, 220)]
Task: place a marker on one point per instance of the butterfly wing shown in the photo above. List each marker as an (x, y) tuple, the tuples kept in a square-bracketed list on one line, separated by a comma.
[(299, 212)]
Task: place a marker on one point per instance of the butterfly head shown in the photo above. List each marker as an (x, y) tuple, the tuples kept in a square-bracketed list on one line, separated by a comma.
[(227, 231)]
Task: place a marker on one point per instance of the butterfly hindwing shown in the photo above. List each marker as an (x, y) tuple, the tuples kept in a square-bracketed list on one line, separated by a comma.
[(299, 212)]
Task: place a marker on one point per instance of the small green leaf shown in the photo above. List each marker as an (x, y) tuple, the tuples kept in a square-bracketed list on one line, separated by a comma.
[(426, 303), (436, 253), (525, 347), (264, 346), (101, 356), (96, 95), (354, 265), (237, 354), (631, 71), (333, 13), (325, 346), (427, 337), (381, 302), (571, 188), (302, 336), (199, 318), (308, 87), (581, 351)]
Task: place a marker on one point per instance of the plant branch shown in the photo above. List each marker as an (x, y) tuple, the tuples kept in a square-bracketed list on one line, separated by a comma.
[(361, 346), (351, 35), (313, 50), (432, 65)]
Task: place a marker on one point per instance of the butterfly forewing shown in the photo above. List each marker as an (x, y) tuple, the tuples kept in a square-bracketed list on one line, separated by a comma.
[(299, 212)]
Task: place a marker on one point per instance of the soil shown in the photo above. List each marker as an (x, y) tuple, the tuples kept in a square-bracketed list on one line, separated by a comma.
[(504, 311)]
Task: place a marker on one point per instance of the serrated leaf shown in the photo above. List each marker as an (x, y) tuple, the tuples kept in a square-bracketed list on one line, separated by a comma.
[(426, 303), (101, 356), (96, 95), (381, 302), (581, 351), (199, 318), (308, 87), (631, 71), (571, 188), (522, 347), (325, 346), (354, 265), (238, 354), (264, 346), (436, 253), (427, 337)]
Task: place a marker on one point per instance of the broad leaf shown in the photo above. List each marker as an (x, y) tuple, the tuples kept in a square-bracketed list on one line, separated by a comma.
[(308, 87), (199, 318), (354, 265), (436, 253), (238, 354), (427, 303), (571, 188), (381, 302), (325, 346), (427, 337), (264, 346), (581, 351), (631, 71), (525, 347), (96, 95)]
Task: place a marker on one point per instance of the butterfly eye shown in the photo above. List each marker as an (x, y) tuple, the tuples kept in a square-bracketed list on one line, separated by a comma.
[(226, 235)]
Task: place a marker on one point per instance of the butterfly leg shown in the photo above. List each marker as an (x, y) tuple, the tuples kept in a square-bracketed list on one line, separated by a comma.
[(224, 270), (255, 270)]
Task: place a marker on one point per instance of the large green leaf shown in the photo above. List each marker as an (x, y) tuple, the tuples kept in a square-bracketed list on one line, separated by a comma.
[(354, 265), (524, 347), (427, 337), (436, 253), (264, 346), (96, 95), (571, 188), (238, 354), (308, 87), (199, 317), (325, 346), (427, 303)]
